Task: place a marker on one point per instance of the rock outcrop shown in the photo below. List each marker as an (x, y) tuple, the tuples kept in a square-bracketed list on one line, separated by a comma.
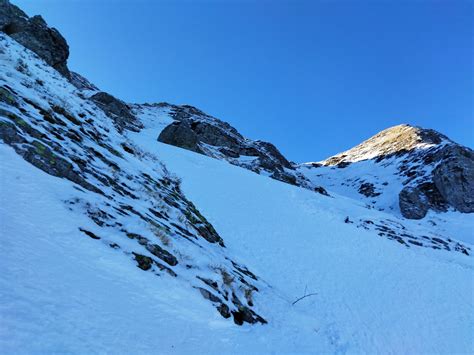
[(454, 177), (34, 34), (196, 131), (82, 83), (195, 135), (444, 179), (118, 111), (126, 198)]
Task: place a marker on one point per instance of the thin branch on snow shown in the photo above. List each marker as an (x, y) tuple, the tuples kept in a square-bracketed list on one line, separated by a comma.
[(304, 295), (299, 299)]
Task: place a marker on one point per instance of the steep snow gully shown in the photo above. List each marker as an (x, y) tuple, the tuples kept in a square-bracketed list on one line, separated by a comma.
[(114, 242)]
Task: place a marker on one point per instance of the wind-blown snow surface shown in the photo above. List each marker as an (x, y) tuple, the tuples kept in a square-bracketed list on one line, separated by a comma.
[(386, 179), (372, 294), (62, 292)]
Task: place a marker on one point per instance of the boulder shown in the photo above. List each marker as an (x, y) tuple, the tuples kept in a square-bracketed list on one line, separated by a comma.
[(413, 203), (424, 196), (180, 135)]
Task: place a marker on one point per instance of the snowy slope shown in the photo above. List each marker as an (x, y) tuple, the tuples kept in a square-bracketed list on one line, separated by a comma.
[(380, 284), (387, 176), (373, 294), (405, 170), (60, 293), (133, 204)]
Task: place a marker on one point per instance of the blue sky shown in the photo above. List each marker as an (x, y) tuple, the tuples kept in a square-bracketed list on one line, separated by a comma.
[(312, 77)]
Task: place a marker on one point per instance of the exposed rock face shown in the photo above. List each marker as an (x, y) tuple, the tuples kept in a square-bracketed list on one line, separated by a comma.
[(34, 34), (118, 111), (454, 178), (448, 181), (190, 134), (413, 203), (196, 131), (435, 172), (82, 83)]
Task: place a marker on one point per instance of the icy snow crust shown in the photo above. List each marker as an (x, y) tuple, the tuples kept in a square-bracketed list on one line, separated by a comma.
[(61, 291)]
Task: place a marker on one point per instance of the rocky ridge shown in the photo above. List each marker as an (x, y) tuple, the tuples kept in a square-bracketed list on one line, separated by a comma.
[(199, 132), (135, 205)]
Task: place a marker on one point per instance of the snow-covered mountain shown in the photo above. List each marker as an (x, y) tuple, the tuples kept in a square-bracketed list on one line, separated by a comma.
[(113, 241), (404, 169)]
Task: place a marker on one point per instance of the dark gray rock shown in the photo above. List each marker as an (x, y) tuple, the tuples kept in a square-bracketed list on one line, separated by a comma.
[(34, 34), (118, 111), (82, 83), (208, 295), (321, 190), (413, 203), (245, 314), (454, 178), (38, 153), (368, 189), (163, 254), (194, 130), (7, 96), (143, 262), (450, 184), (224, 310), (181, 135), (89, 234), (272, 155), (213, 135), (283, 176)]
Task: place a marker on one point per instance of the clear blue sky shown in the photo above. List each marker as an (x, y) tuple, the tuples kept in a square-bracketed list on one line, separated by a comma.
[(312, 77)]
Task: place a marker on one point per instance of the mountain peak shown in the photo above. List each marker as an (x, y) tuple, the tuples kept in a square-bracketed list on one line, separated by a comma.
[(398, 139)]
